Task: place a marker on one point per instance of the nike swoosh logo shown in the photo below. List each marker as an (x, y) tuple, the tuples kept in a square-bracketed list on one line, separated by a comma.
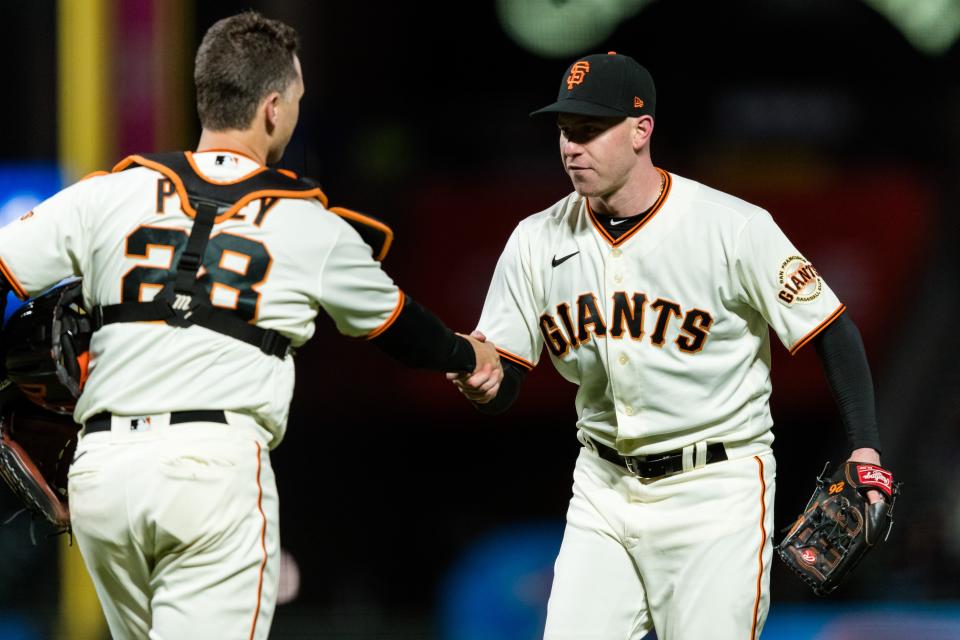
[(557, 263), (617, 221)]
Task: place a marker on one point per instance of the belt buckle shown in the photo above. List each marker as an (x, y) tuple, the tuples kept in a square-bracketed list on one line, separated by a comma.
[(631, 464)]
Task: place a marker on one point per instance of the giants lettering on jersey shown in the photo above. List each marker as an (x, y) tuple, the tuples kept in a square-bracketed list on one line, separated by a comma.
[(574, 325)]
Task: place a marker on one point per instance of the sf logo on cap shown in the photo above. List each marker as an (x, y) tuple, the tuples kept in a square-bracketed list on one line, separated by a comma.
[(577, 73)]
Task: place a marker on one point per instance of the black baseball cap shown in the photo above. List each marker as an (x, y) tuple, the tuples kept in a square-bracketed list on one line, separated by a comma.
[(605, 85)]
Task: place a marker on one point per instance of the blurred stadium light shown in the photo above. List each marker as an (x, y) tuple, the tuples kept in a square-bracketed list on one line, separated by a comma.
[(500, 585), (559, 28), (13, 626), (932, 26), (851, 621), (24, 186)]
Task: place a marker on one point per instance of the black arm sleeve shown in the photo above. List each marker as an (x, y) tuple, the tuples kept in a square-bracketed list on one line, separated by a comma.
[(848, 375), (513, 375), (419, 339)]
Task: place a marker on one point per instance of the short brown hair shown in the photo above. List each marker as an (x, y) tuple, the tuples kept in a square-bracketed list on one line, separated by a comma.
[(242, 59)]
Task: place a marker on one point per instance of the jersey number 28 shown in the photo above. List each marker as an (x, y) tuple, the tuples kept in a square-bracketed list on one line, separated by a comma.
[(233, 267)]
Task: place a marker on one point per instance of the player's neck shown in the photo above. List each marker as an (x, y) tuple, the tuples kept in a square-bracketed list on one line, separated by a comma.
[(243, 142), (637, 194)]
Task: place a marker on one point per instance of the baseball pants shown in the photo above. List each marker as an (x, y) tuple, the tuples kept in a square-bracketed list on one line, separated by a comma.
[(688, 555), (178, 527)]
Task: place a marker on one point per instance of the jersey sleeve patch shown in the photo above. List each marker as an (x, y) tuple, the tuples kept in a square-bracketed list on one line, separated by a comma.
[(798, 281)]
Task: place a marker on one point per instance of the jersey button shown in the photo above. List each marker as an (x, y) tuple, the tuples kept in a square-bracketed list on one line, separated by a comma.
[(628, 410), (618, 278), (623, 359), (616, 253)]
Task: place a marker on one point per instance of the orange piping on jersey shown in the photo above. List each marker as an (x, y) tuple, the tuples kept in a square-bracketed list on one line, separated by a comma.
[(189, 156), (263, 545), (94, 174), (389, 321), (239, 204), (12, 281), (816, 330), (616, 242), (288, 173), (370, 222), (763, 543), (268, 193), (526, 364), (233, 151)]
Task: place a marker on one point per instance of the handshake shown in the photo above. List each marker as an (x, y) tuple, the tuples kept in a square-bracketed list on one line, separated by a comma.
[(482, 385)]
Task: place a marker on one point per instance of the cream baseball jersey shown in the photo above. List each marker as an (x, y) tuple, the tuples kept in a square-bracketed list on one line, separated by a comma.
[(276, 263), (664, 329)]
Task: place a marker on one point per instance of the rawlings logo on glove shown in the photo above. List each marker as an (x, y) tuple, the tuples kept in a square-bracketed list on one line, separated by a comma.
[(839, 525)]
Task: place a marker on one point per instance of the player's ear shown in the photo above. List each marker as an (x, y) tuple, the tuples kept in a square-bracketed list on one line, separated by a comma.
[(271, 110), (642, 130)]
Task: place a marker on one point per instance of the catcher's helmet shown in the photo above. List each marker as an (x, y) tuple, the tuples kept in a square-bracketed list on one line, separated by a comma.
[(47, 344)]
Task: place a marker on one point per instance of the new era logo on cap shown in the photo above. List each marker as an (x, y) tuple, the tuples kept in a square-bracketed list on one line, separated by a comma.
[(605, 85)]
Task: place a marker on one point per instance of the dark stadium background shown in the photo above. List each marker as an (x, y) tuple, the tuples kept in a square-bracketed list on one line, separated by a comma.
[(821, 111)]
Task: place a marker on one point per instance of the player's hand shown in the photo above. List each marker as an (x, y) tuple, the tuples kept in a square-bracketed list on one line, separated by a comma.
[(482, 385), (868, 456)]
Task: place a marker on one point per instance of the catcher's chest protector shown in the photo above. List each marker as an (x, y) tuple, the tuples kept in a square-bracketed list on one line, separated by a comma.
[(183, 300)]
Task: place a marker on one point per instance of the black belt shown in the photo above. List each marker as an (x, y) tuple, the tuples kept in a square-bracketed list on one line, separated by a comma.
[(657, 465), (103, 421)]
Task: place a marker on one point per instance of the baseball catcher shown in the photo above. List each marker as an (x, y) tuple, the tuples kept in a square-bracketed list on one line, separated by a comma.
[(45, 363), (839, 525)]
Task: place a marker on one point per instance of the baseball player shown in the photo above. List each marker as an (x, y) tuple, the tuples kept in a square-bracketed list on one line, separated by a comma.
[(653, 293), (201, 270)]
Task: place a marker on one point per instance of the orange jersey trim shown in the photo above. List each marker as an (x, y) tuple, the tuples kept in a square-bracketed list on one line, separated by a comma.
[(506, 355), (94, 174), (239, 204), (763, 543), (369, 222), (654, 210), (12, 281), (263, 545), (389, 321), (817, 329), (288, 173)]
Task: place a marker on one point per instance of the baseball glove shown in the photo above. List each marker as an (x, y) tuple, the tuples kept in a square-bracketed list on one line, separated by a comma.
[(35, 454), (839, 525), (46, 347)]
